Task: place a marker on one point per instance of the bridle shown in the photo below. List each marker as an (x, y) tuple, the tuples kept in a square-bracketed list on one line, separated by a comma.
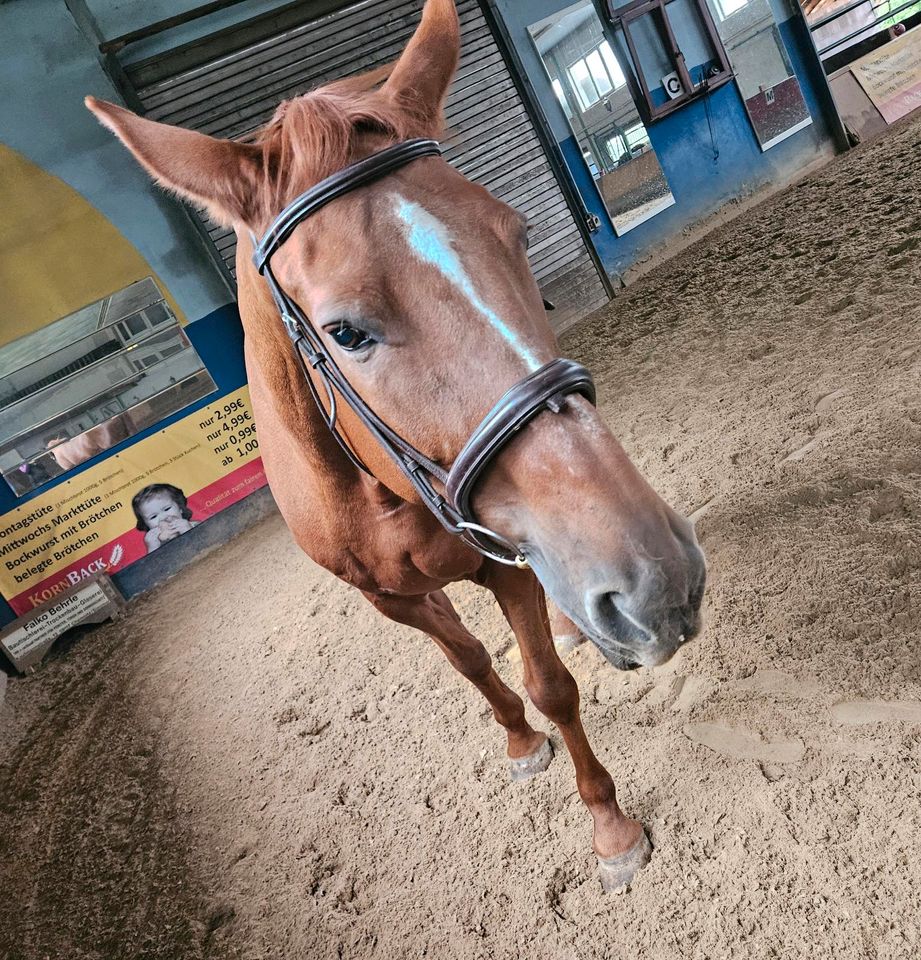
[(544, 389)]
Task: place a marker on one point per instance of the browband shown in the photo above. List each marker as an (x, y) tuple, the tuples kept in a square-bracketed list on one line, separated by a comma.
[(341, 182)]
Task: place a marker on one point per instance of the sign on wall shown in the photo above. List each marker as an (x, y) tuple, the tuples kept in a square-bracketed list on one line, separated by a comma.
[(131, 504), (891, 76), (28, 639)]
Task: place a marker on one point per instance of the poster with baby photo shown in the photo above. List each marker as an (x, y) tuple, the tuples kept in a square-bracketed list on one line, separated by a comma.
[(162, 513), (114, 513)]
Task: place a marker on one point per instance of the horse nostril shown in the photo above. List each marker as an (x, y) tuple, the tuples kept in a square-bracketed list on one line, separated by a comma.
[(611, 615)]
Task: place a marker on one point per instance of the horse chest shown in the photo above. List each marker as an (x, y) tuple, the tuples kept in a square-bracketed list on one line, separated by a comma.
[(358, 530), (399, 548)]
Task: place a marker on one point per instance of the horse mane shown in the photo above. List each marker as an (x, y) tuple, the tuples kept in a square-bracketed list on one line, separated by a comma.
[(311, 136)]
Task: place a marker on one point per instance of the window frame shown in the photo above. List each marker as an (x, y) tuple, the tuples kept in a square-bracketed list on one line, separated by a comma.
[(623, 16), (607, 145), (604, 63), (137, 324), (624, 138)]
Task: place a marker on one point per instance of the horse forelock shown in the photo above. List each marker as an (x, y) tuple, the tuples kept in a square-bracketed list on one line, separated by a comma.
[(312, 136)]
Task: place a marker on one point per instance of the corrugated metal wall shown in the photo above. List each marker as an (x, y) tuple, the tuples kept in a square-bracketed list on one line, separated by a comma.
[(492, 140)]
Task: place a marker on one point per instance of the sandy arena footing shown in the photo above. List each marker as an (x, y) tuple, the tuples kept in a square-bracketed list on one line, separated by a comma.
[(257, 765)]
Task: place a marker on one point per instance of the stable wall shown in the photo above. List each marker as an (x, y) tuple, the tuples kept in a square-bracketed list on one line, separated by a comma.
[(49, 64), (700, 181), (82, 219), (115, 18)]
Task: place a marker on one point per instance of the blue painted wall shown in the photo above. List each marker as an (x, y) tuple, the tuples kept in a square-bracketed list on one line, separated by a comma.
[(700, 183)]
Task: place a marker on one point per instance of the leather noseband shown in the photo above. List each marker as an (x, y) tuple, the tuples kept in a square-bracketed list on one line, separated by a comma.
[(544, 389)]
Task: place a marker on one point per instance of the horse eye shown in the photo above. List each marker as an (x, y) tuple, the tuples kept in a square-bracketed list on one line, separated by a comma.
[(350, 338)]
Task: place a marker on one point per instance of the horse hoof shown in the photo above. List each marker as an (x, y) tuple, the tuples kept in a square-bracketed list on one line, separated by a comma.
[(523, 768), (618, 872)]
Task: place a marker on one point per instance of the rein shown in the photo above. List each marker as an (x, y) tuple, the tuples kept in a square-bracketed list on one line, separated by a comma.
[(544, 389)]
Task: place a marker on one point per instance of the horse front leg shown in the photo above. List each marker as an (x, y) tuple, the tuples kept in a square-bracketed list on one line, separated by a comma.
[(566, 635), (619, 842), (529, 750)]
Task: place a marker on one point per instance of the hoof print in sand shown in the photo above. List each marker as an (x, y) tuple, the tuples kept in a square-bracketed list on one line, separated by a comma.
[(804, 450), (743, 745), (857, 712), (829, 400), (692, 691), (776, 683)]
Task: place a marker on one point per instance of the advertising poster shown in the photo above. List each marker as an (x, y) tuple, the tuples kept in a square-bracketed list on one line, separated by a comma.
[(891, 76), (124, 508)]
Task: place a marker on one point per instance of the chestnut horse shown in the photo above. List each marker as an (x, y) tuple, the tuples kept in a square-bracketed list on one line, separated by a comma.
[(90, 443), (420, 286)]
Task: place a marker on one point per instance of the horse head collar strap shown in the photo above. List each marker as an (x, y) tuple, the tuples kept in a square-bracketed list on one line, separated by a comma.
[(544, 389)]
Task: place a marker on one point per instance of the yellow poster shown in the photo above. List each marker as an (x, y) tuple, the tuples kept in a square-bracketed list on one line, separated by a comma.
[(131, 504)]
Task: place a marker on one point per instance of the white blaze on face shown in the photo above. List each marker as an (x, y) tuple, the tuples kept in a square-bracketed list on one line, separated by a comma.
[(430, 241)]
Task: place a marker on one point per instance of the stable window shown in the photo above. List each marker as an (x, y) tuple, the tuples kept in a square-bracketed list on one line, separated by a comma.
[(100, 366), (561, 96), (595, 75), (614, 68), (137, 325), (628, 144), (726, 8), (617, 148), (638, 137), (157, 314), (673, 49)]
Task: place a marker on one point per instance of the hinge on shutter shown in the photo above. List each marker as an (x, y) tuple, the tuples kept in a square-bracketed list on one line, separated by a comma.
[(592, 221)]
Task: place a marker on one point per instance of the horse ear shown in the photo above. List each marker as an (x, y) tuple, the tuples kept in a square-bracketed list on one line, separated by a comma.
[(421, 77), (221, 175)]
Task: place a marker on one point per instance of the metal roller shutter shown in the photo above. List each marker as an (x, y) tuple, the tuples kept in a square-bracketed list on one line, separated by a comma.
[(492, 139)]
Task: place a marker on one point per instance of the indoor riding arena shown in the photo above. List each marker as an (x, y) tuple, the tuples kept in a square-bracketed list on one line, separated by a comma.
[(211, 746)]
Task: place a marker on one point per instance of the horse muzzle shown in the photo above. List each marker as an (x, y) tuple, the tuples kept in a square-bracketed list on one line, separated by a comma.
[(647, 627)]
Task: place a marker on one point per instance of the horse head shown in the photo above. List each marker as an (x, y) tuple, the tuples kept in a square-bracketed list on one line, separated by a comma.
[(420, 286)]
